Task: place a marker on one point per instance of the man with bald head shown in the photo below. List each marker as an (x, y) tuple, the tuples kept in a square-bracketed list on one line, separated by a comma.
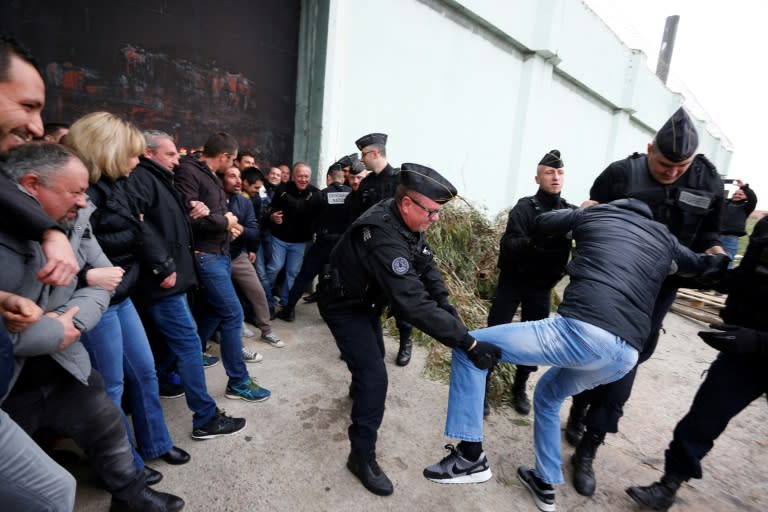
[(529, 270)]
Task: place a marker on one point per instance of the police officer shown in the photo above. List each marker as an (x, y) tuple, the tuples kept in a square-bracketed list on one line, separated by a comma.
[(734, 380), (684, 192), (379, 184), (383, 260), (330, 223), (529, 271)]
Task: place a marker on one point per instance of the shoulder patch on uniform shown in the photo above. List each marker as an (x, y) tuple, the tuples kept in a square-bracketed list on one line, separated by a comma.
[(400, 265), (366, 234)]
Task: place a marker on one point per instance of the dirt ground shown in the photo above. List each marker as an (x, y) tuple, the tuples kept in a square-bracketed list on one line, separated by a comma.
[(292, 455)]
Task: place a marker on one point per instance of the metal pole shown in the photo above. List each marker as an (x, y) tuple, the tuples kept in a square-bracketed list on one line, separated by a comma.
[(667, 46)]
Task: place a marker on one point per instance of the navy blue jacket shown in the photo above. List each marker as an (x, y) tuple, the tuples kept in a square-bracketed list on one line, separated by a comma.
[(249, 240), (621, 258)]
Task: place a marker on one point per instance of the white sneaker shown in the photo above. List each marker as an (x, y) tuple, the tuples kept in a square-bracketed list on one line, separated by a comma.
[(251, 356), (273, 340), (247, 333)]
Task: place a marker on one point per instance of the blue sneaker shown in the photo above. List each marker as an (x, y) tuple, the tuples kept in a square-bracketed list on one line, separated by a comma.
[(248, 391), (210, 361)]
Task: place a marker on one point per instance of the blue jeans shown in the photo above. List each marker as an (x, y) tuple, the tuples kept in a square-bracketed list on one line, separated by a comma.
[(582, 356), (173, 318), (288, 255), (119, 350), (221, 312), (30, 479), (730, 245)]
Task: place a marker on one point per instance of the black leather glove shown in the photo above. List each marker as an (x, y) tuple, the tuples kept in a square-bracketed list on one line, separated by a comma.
[(484, 355), (717, 267), (734, 339)]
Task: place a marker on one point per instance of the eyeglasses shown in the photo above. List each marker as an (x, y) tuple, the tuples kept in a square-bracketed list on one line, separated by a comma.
[(363, 153), (430, 213)]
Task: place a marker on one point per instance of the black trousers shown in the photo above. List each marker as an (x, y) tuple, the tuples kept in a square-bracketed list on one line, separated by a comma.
[(84, 413), (360, 340), (316, 256), (606, 402), (732, 383), (536, 302)]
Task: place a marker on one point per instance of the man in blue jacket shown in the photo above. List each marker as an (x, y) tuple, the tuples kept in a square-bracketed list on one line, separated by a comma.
[(621, 259)]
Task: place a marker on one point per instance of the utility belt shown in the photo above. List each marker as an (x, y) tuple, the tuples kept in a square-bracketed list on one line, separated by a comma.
[(334, 297)]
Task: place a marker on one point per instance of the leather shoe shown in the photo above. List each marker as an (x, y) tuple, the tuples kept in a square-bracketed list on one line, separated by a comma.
[(148, 500), (152, 476), (370, 474), (176, 456)]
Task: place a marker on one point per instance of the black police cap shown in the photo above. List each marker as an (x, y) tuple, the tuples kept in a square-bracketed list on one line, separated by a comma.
[(678, 139), (357, 167), (427, 181), (552, 159), (371, 138)]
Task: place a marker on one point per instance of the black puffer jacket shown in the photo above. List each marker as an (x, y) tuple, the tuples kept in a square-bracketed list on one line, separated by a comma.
[(116, 231), (167, 231), (618, 265)]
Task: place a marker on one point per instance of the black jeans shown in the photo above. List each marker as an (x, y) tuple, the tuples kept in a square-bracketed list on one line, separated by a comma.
[(360, 340), (84, 413), (732, 383)]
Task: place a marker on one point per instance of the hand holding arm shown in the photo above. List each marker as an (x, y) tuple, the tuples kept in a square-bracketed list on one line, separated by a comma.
[(18, 312), (61, 265), (71, 333)]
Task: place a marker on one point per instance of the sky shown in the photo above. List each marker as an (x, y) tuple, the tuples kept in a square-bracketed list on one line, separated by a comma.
[(719, 62)]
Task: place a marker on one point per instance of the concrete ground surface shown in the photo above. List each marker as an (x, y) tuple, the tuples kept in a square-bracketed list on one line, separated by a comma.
[(291, 457)]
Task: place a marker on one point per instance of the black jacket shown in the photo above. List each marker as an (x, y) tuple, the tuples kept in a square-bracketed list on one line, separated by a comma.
[(620, 260), (155, 199), (736, 213), (380, 262), (538, 261), (20, 215), (373, 189), (116, 230), (332, 218), (299, 208), (689, 207), (195, 181)]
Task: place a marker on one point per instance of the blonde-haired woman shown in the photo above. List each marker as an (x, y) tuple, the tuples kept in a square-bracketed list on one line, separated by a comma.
[(118, 345)]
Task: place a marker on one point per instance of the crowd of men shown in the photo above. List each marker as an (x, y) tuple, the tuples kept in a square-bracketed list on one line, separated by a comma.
[(169, 253)]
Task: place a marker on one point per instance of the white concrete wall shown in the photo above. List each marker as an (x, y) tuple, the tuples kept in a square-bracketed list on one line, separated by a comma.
[(481, 89)]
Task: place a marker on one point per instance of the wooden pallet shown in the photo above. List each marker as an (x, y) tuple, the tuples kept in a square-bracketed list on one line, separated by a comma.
[(702, 306)]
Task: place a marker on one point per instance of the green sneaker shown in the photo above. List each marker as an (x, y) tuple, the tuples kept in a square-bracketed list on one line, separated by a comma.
[(209, 361), (248, 391)]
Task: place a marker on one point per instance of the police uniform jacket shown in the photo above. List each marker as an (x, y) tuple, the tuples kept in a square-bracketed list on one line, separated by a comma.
[(332, 215), (747, 285), (689, 207), (380, 262), (538, 261), (373, 188)]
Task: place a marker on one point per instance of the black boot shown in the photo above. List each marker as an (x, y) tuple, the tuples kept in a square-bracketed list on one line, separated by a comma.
[(657, 496), (287, 314), (519, 398), (370, 474), (148, 500), (582, 459), (574, 428), (404, 354)]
